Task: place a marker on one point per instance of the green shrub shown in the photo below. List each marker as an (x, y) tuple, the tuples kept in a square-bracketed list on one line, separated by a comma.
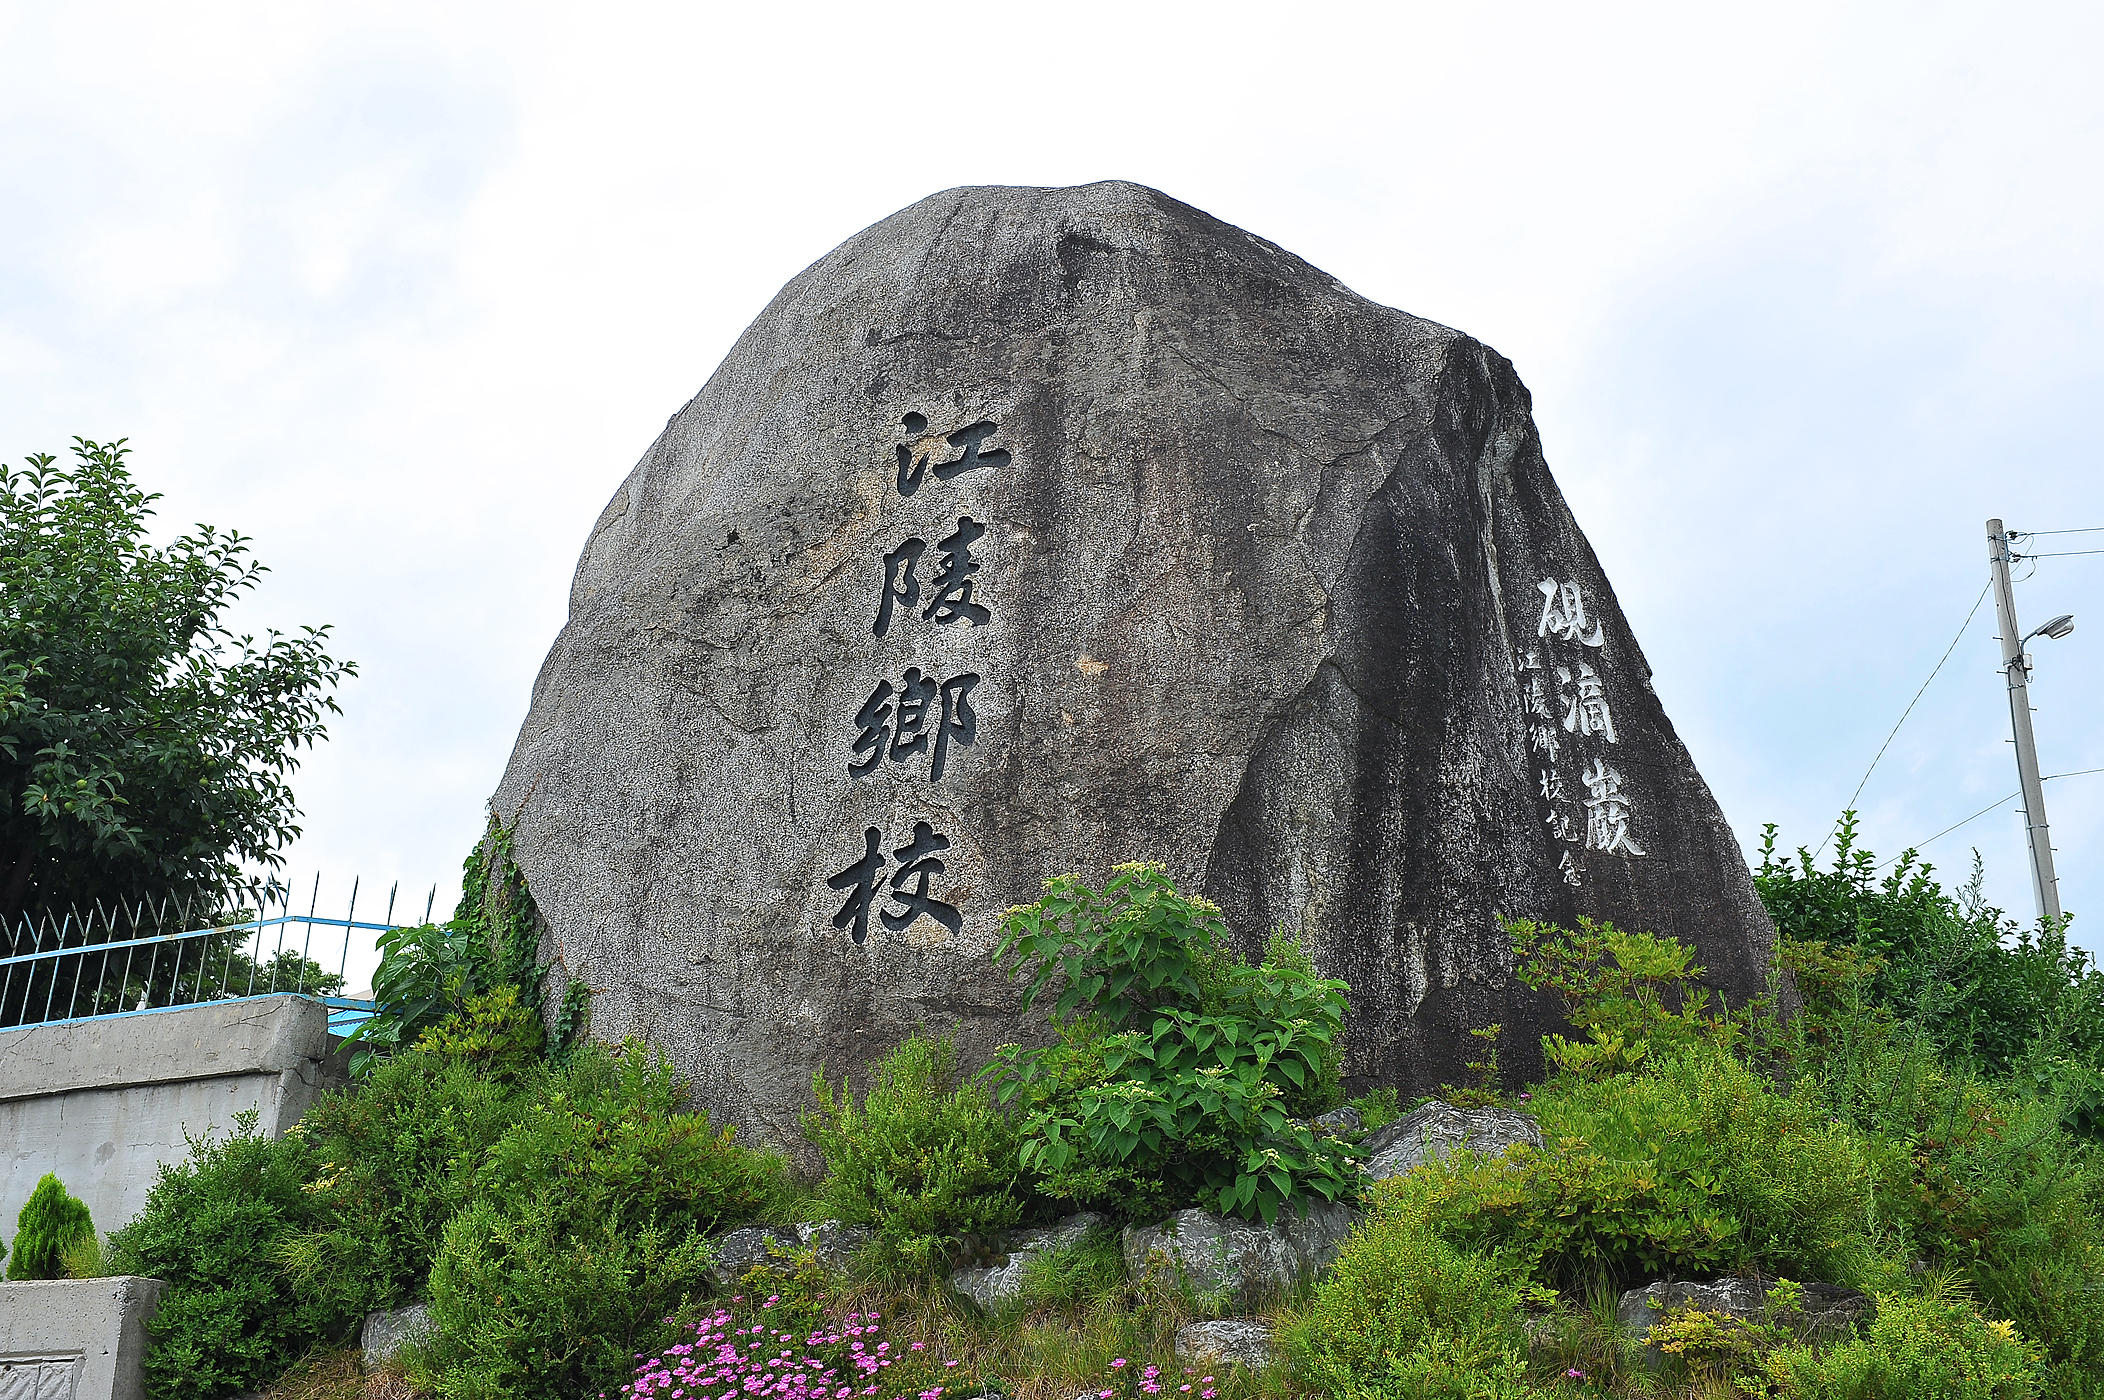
[(1980, 1177), (492, 1031), (538, 1302), (919, 1160), (1180, 1067), (396, 1160), (50, 1223), (1697, 1165), (227, 1321), (586, 1232), (430, 975), (1985, 992), (1377, 1108), (1930, 1344), (1408, 1314), (1633, 994), (1081, 1273)]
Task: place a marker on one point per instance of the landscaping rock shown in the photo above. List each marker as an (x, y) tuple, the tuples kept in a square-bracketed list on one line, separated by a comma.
[(834, 1243), (1436, 1130), (1002, 1282), (1195, 555), (1338, 1120), (1222, 1257), (387, 1331), (1225, 1341), (1827, 1312), (741, 1251)]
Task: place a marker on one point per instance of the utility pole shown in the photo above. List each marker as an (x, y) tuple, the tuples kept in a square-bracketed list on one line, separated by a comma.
[(2044, 883)]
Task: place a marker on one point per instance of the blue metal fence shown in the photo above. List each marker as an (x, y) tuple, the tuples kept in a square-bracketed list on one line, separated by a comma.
[(126, 959)]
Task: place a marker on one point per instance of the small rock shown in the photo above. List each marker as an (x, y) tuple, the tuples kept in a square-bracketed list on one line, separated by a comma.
[(1221, 1257), (743, 1250), (1338, 1120), (992, 1286), (1437, 1130), (387, 1331), (1826, 1312), (1229, 1340), (834, 1243)]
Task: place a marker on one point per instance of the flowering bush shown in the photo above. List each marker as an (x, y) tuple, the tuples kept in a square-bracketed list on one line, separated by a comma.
[(1123, 1381), (723, 1358)]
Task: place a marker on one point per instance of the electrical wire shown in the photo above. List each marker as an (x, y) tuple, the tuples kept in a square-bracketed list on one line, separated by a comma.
[(1983, 812), (2085, 530), (2055, 554), (1962, 628)]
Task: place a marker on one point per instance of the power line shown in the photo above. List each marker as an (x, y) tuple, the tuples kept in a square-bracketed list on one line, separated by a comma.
[(2055, 554), (1983, 812), (1975, 612), (2086, 530)]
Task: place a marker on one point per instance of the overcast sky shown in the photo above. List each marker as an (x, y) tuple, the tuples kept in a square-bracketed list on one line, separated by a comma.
[(1804, 294)]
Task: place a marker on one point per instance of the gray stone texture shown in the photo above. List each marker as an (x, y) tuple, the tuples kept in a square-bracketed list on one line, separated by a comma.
[(1337, 1121), (1826, 1313), (387, 1331), (76, 1339), (1262, 566), (1224, 1342), (1238, 1261), (1002, 1282), (104, 1103), (1434, 1131), (739, 1252)]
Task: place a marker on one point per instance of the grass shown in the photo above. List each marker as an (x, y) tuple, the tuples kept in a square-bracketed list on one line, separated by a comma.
[(334, 1373)]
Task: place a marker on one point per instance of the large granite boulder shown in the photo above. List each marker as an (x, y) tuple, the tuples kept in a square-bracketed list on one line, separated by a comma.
[(1435, 1131), (1035, 530)]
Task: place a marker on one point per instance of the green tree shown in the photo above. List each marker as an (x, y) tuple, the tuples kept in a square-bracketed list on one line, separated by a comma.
[(145, 749), (50, 1222)]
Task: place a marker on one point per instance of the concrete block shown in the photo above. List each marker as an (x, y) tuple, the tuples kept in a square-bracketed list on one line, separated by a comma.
[(75, 1339), (104, 1103)]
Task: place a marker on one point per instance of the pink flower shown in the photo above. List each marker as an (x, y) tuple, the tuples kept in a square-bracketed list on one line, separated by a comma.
[(1118, 1363), (920, 1346), (948, 1364)]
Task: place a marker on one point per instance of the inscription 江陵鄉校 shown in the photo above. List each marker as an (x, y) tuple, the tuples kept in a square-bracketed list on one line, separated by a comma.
[(1569, 723), (922, 713)]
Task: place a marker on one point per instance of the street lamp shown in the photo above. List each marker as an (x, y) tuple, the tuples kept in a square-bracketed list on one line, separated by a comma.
[(2016, 667)]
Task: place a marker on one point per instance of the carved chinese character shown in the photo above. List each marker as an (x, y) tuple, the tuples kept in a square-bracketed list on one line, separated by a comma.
[(958, 720), (1563, 614), (909, 734), (1544, 739), (1569, 867), (874, 720), (912, 466), (902, 731), (1537, 699), (1560, 825), (1552, 785), (900, 586), (1607, 812), (950, 591), (860, 880), (1585, 712), (918, 864)]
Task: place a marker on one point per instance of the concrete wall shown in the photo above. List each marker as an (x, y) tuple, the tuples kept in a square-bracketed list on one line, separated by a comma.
[(77, 1339), (103, 1103)]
